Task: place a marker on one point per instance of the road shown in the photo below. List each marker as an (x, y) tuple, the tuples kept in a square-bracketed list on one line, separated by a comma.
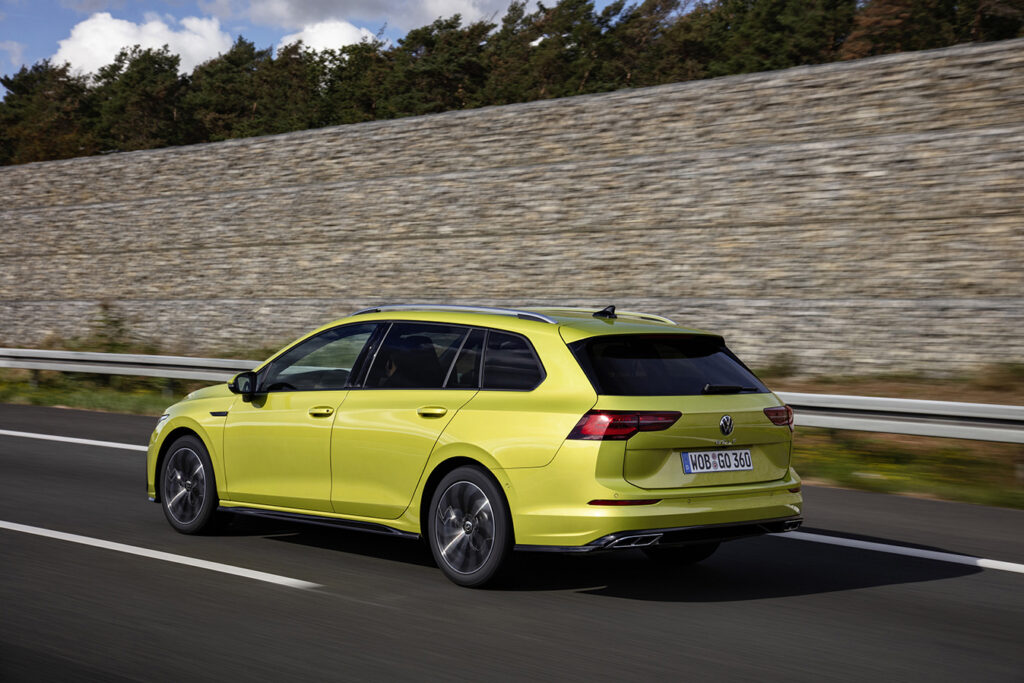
[(765, 609)]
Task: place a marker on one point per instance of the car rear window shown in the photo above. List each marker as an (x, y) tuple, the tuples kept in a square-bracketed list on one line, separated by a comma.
[(663, 365)]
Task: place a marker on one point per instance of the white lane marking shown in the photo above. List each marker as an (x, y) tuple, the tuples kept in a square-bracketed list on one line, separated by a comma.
[(904, 550), (159, 555), (71, 439)]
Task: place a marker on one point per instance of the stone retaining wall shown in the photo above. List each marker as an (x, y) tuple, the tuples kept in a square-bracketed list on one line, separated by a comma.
[(854, 218)]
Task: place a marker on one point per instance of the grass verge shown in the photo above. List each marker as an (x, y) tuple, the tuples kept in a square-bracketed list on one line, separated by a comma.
[(136, 396), (948, 469)]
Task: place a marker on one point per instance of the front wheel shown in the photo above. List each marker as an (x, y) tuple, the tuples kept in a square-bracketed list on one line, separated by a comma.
[(188, 492), (469, 529), (681, 554)]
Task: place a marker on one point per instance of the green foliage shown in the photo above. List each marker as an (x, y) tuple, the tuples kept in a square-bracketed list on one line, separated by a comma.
[(137, 99), (46, 114), (970, 471), (141, 100), (221, 100)]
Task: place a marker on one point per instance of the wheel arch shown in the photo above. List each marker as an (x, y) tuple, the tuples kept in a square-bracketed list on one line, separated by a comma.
[(165, 446), (441, 470)]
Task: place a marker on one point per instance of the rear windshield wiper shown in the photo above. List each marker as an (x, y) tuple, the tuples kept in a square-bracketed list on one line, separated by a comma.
[(725, 389)]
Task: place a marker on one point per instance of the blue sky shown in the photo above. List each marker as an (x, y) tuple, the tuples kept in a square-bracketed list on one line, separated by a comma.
[(88, 33)]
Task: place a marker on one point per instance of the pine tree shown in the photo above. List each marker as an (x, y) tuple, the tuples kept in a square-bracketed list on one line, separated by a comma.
[(46, 114), (137, 98)]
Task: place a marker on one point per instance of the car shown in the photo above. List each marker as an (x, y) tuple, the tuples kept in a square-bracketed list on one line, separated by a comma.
[(485, 431)]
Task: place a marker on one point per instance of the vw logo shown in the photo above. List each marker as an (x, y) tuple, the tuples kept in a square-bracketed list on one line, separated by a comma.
[(726, 425)]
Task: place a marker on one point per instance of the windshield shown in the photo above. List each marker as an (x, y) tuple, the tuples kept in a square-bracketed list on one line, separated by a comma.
[(663, 365)]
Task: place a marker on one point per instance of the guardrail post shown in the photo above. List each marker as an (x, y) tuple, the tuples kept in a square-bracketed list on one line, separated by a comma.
[(33, 379)]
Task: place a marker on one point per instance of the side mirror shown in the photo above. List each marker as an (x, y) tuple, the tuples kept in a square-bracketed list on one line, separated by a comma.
[(244, 383)]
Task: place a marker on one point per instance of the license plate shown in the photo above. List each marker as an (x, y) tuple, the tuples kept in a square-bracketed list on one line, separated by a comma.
[(698, 462)]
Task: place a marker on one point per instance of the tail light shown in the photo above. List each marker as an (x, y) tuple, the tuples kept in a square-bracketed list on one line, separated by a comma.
[(780, 415), (619, 425)]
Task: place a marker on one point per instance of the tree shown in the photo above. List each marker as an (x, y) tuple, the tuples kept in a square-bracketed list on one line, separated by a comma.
[(46, 114), (435, 68), (636, 45), (742, 36), (573, 44), (286, 94), (885, 26), (221, 99), (138, 99), (352, 86)]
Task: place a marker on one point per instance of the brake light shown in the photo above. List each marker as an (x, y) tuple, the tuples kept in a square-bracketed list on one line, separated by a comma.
[(780, 415), (619, 425)]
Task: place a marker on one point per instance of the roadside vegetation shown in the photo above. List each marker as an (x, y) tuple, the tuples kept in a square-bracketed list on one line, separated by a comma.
[(142, 100), (951, 469)]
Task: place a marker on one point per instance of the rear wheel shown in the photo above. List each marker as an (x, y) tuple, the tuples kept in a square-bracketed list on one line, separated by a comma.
[(681, 554), (469, 530), (188, 492)]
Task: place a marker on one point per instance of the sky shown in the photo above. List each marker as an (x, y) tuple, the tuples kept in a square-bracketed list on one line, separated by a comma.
[(89, 33)]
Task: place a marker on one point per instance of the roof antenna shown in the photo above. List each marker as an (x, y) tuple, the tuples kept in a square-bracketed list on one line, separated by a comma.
[(606, 312)]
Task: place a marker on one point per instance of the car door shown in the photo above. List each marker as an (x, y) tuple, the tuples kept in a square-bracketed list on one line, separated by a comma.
[(277, 446), (384, 432)]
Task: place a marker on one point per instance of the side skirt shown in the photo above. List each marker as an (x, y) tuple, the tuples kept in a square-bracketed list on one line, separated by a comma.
[(347, 524)]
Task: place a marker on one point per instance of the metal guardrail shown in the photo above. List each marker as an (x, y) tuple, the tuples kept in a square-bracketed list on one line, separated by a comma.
[(976, 421), (172, 367)]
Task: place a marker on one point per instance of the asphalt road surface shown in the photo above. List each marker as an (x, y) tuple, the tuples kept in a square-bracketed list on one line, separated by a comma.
[(765, 609)]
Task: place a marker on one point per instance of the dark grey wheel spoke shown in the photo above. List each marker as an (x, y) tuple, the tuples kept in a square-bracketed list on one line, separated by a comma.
[(464, 531), (184, 485)]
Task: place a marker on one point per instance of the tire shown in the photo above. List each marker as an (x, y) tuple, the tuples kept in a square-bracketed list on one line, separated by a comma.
[(188, 491), (681, 555), (469, 529)]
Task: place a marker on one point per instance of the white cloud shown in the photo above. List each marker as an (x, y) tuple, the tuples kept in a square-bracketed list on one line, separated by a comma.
[(328, 34), (14, 51), (400, 14), (97, 40)]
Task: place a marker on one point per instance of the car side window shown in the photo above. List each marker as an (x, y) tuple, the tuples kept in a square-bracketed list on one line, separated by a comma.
[(510, 363), (465, 372), (321, 363), (415, 356)]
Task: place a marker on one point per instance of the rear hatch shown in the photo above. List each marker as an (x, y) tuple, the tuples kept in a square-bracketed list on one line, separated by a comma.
[(722, 435)]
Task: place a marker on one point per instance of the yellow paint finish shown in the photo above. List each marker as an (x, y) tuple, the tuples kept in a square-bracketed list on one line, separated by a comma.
[(380, 445), (277, 453)]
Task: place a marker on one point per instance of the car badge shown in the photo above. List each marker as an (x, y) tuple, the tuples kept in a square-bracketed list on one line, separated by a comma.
[(726, 425)]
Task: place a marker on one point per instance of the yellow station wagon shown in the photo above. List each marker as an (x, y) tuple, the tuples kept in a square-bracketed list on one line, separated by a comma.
[(487, 430)]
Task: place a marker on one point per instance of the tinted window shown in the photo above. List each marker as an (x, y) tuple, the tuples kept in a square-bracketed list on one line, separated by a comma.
[(662, 365), (415, 356), (509, 363), (323, 362), (465, 372)]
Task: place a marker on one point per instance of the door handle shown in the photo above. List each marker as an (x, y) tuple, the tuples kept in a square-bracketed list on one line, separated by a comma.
[(431, 411), (321, 411)]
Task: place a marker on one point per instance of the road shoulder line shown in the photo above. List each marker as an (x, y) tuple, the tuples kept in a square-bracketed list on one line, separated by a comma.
[(968, 560), (160, 555), (71, 439)]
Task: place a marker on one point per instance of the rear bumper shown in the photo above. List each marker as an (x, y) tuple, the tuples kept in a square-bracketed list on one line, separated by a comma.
[(550, 506), (707, 533)]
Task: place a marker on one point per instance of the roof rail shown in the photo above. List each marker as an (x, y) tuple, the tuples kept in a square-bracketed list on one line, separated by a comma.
[(515, 313), (630, 314)]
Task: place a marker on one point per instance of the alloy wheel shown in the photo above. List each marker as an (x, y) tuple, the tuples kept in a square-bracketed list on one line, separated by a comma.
[(464, 529)]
